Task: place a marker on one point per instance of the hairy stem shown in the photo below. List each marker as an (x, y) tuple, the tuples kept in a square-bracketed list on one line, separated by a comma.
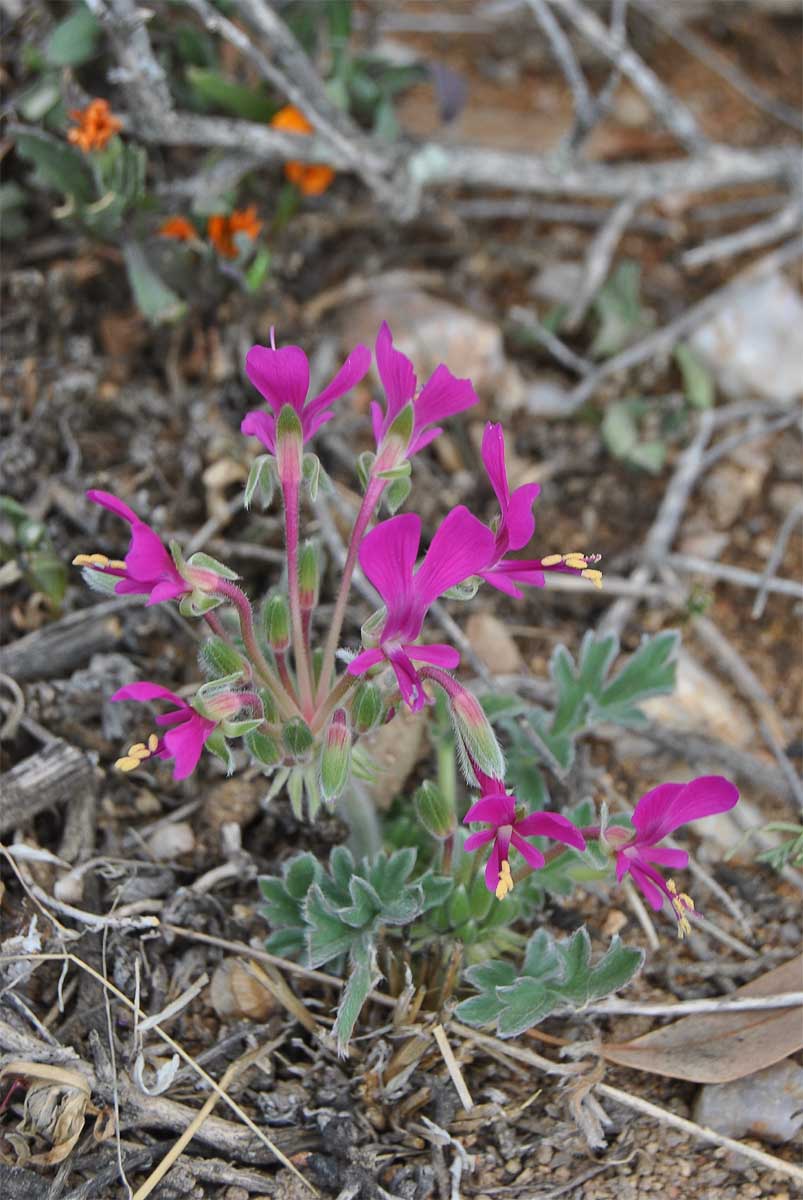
[(237, 597), (291, 511), (370, 500), (338, 692)]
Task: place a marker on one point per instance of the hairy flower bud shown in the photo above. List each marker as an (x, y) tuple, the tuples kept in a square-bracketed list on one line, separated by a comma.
[(297, 737), (476, 739), (366, 708), (308, 576), (335, 756), (264, 748), (276, 616), (219, 658), (435, 811)]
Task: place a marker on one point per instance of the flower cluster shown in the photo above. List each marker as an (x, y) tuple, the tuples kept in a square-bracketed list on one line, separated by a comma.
[(221, 228), (294, 712), (95, 125)]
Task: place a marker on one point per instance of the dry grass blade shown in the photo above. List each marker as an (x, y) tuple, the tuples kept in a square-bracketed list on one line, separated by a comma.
[(453, 1067)]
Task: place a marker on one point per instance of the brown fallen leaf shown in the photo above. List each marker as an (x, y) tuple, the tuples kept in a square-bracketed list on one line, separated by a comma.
[(720, 1047)]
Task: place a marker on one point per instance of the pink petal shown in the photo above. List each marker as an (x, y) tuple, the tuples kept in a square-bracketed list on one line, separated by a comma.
[(534, 858), (387, 556), (260, 425), (113, 504), (420, 440), (377, 421), (663, 809), (186, 743), (442, 396), (623, 865), (520, 570), (352, 371), (311, 425), (551, 825), (493, 456), (461, 547), (363, 662), (492, 869), (281, 376), (497, 809), (518, 520), (475, 840), (664, 857), (147, 559), (148, 691), (409, 681), (440, 655), (650, 884), (395, 371), (169, 589)]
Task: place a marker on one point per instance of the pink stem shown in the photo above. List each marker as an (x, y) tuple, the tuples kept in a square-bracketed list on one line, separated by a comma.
[(229, 591), (291, 510), (370, 500)]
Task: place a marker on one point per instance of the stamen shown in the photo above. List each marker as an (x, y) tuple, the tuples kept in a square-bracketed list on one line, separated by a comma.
[(153, 742), (593, 576), (551, 560), (126, 764), (138, 753), (578, 561), (91, 560), (681, 903), (505, 883)]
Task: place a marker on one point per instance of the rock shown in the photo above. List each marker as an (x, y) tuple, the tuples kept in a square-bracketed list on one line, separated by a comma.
[(766, 1105), (558, 282), (732, 485), (172, 841), (431, 331), (233, 800), (493, 643), (754, 345), (235, 993), (395, 748)]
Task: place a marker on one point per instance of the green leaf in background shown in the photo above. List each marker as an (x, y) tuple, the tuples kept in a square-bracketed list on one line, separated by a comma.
[(73, 40), (41, 97), (214, 90), (621, 435), (13, 222), (698, 382), (48, 574), (58, 165), (155, 300), (621, 317), (555, 975), (257, 272), (364, 976)]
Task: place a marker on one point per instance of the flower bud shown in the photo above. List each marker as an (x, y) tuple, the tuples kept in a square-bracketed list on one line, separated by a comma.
[(308, 576), (265, 749), (366, 708), (289, 446), (276, 616), (476, 739), (217, 703), (297, 737), (435, 811), (335, 756), (219, 658)]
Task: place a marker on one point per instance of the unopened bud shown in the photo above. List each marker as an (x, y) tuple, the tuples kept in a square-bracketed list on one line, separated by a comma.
[(335, 756), (297, 737), (289, 446), (435, 811), (219, 658), (308, 576), (476, 739), (265, 749), (366, 708), (276, 616), (217, 703)]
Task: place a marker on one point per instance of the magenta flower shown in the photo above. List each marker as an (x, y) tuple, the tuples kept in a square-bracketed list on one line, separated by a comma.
[(458, 550), (282, 377), (658, 813), (185, 739), (516, 527), (148, 569), (442, 396), (509, 826)]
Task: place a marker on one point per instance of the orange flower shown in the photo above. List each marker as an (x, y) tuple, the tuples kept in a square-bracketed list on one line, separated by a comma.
[(179, 228), (221, 229), (310, 178), (96, 125)]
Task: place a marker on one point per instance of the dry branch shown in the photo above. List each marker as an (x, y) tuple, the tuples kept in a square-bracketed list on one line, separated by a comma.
[(52, 776), (57, 649)]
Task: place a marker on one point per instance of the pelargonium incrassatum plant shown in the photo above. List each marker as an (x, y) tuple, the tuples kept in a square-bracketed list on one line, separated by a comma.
[(299, 710)]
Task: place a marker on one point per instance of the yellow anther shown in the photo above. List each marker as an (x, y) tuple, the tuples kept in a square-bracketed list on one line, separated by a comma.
[(505, 883), (681, 903), (578, 562), (119, 563), (153, 742), (593, 576), (91, 560), (139, 751), (137, 746), (126, 764), (551, 560)]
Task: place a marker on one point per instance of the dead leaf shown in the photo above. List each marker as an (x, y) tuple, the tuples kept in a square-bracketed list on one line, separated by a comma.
[(720, 1047), (56, 1103)]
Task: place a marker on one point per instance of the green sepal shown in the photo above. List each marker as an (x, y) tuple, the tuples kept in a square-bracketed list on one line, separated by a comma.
[(206, 562), (262, 478), (240, 728), (218, 745), (395, 495), (289, 425), (401, 470), (466, 590), (195, 604), (264, 748), (297, 737), (365, 466)]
